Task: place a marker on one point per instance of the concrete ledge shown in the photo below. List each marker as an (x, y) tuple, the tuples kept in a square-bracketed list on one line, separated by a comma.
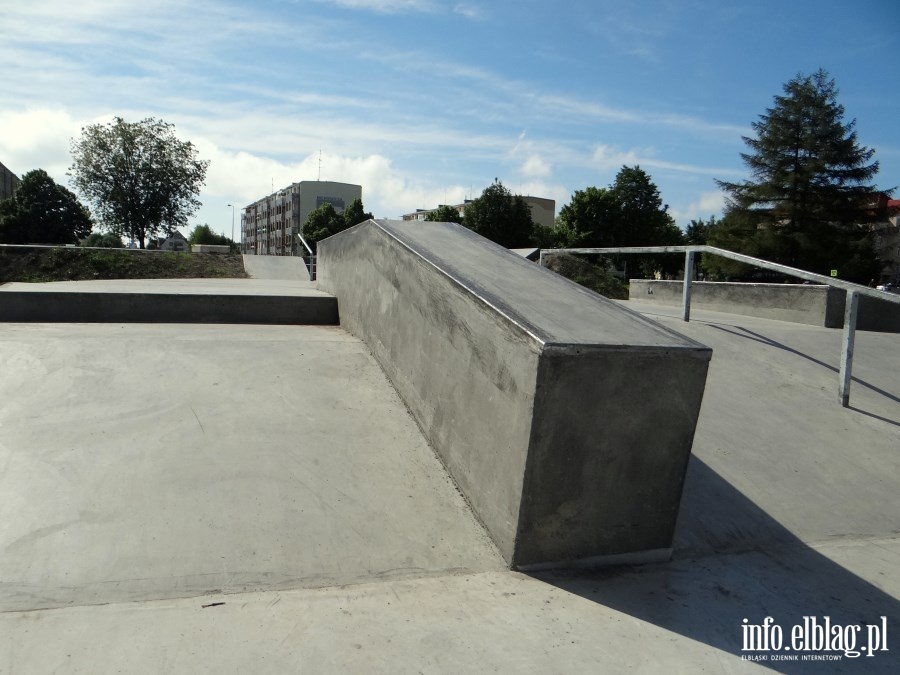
[(566, 420), (117, 307), (210, 248), (813, 305), (800, 303)]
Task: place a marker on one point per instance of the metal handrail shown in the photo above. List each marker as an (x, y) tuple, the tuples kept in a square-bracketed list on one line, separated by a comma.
[(311, 268), (850, 310)]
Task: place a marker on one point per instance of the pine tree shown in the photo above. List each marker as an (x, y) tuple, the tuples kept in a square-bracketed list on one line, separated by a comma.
[(810, 190)]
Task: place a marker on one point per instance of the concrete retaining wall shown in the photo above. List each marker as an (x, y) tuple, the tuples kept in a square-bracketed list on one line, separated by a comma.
[(93, 307), (801, 303), (566, 420)]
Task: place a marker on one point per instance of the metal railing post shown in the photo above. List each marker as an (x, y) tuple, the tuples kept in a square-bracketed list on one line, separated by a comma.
[(849, 337), (688, 277)]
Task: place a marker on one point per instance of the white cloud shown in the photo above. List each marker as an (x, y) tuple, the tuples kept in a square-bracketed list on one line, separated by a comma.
[(709, 204), (535, 167), (38, 139)]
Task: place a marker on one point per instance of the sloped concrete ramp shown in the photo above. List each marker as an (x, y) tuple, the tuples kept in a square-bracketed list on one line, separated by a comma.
[(285, 268), (145, 462)]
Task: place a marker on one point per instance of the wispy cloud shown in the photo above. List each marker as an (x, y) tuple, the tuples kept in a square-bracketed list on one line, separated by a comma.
[(386, 6), (608, 157), (470, 11), (709, 204)]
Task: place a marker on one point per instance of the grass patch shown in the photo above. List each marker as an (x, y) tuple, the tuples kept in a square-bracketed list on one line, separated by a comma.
[(82, 264)]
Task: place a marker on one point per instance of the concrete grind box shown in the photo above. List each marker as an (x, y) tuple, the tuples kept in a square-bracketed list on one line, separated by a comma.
[(566, 420)]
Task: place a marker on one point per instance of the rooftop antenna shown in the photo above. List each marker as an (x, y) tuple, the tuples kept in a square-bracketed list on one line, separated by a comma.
[(320, 165)]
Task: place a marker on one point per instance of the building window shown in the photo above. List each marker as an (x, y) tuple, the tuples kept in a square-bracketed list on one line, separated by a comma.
[(336, 202)]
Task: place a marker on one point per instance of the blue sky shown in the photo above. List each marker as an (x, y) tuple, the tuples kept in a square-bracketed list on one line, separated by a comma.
[(427, 101)]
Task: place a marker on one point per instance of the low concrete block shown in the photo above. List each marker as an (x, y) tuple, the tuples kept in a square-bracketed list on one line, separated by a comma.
[(809, 304), (210, 248), (566, 420), (94, 307)]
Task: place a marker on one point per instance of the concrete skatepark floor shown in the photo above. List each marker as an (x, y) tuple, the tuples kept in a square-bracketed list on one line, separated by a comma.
[(159, 461), (206, 511)]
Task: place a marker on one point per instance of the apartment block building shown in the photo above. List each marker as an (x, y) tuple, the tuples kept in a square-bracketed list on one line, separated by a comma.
[(270, 225), (8, 182), (543, 211), (887, 244)]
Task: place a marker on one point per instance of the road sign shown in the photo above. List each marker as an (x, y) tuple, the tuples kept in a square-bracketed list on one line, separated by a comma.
[(834, 273)]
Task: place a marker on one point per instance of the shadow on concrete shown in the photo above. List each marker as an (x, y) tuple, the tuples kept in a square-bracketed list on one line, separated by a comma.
[(748, 334), (874, 416), (735, 562)]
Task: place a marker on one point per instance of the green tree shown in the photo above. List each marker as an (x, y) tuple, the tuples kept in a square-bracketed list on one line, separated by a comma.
[(102, 240), (630, 212), (444, 214), (140, 178), (42, 212), (809, 195), (203, 234), (356, 214), (500, 216), (697, 232), (323, 222)]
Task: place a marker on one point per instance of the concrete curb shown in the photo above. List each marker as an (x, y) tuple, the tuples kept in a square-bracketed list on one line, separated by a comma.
[(112, 307)]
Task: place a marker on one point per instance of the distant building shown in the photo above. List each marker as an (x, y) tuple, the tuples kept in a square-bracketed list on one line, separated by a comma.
[(174, 242), (543, 211), (8, 182), (887, 244), (270, 226)]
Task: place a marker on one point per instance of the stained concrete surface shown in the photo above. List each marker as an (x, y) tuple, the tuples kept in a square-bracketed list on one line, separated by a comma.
[(790, 509), (160, 461)]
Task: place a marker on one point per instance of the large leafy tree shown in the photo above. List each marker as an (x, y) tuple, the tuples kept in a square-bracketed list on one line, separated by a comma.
[(42, 212), (810, 190), (141, 180), (355, 213), (630, 212), (203, 234), (500, 216), (326, 221)]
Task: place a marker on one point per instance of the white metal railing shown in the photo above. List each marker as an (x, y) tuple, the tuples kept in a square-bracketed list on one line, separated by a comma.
[(311, 265), (850, 310)]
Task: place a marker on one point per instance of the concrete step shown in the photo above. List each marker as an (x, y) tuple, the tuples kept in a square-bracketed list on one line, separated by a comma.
[(256, 301)]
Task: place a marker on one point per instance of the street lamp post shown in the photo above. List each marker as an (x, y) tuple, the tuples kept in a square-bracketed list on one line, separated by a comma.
[(232, 223)]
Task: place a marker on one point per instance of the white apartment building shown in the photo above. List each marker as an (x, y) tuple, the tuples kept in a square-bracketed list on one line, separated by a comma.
[(270, 226)]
